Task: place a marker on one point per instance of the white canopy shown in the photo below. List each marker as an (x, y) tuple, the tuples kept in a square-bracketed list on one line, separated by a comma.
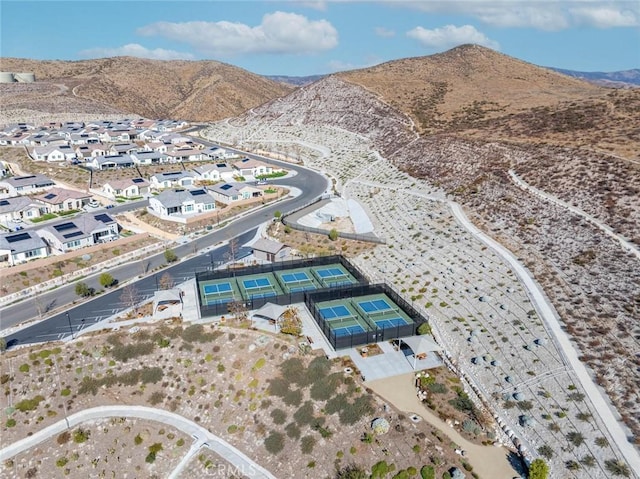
[(420, 345), (270, 311)]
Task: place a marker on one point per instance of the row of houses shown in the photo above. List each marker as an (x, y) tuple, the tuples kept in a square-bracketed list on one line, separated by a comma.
[(62, 237)]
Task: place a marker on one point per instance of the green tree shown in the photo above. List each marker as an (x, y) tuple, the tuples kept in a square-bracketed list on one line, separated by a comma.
[(277, 214), (538, 469), (333, 234), (82, 289), (424, 328), (106, 280), (352, 471), (3, 344), (170, 256)]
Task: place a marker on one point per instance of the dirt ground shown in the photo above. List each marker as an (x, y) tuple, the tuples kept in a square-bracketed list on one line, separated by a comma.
[(295, 414)]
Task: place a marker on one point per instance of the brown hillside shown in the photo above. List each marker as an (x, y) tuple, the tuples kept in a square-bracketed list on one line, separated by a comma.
[(467, 81), (198, 91)]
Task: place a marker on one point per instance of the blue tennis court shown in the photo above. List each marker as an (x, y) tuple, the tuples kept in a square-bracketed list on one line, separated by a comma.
[(348, 330), (390, 323), (298, 277), (219, 288), (332, 312), (377, 305), (330, 273), (256, 283)]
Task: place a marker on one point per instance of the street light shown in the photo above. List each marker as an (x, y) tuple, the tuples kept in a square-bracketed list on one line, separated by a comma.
[(70, 327)]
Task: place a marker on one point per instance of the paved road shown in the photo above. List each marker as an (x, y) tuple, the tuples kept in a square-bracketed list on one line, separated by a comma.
[(202, 437), (60, 325)]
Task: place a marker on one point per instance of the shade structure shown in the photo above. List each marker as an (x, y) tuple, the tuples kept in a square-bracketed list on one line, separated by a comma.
[(421, 345), (270, 311)]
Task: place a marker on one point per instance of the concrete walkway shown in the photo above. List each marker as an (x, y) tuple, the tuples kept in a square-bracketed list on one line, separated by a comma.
[(202, 437), (548, 315)]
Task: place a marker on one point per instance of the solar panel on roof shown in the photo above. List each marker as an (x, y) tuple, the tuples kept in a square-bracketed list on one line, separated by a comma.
[(4, 202), (173, 173), (64, 226), (71, 235), (221, 165), (226, 187), (198, 192), (24, 177), (50, 196), (137, 180), (104, 218), (18, 237)]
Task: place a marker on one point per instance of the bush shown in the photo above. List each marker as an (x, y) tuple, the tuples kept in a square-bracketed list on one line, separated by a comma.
[(63, 438), (106, 280), (353, 412), (324, 388), (424, 328), (293, 398), (333, 234), (170, 256), (124, 352), (538, 469), (138, 440), (427, 472), (292, 430), (83, 289), (81, 435), (304, 415), (617, 468), (351, 471), (306, 444), (274, 442), (61, 462), (29, 404), (437, 388), (380, 470), (10, 422), (24, 368)]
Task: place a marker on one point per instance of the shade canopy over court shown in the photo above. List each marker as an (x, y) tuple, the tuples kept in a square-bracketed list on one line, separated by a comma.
[(271, 311)]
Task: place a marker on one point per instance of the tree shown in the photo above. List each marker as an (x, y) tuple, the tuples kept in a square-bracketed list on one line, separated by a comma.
[(238, 311), (277, 214), (82, 289), (166, 281), (290, 323), (230, 255), (130, 296), (106, 280), (333, 234), (170, 256), (424, 328), (538, 469)]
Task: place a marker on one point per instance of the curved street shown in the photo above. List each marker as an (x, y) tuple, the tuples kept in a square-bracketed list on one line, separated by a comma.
[(202, 253), (202, 437)]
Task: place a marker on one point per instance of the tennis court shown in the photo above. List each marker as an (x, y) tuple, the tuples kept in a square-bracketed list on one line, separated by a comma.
[(332, 276), (332, 312), (220, 288), (256, 283), (217, 292), (295, 281), (390, 323), (330, 273), (259, 286), (375, 307), (348, 330)]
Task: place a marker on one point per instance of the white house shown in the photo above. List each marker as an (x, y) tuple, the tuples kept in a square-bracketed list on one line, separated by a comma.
[(127, 188), (53, 153), (217, 153), (56, 200), (228, 193), (79, 232), (149, 157), (123, 148), (182, 202), (179, 155), (110, 162), (21, 185), (251, 167), (172, 179), (213, 172), (20, 247), (115, 136), (18, 207), (90, 150)]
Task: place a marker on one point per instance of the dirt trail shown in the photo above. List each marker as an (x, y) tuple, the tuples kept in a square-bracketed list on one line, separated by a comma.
[(488, 462), (129, 219)]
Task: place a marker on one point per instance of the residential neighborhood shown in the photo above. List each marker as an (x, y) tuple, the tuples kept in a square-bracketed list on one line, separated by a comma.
[(40, 217)]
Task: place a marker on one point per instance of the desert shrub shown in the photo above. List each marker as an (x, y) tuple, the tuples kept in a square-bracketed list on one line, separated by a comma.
[(10, 422), (424, 328), (63, 438), (427, 472), (274, 442), (335, 404), (575, 438), (471, 426), (106, 280), (278, 387), (61, 462), (278, 416), (353, 412), (170, 256), (617, 468), (81, 435), (538, 469), (304, 415), (151, 375), (295, 371), (293, 398), (380, 470), (4, 379), (306, 444), (545, 451), (124, 352), (29, 404), (156, 398), (402, 474), (351, 471), (24, 368), (196, 334), (463, 402), (324, 388), (437, 388), (292, 430), (138, 440)]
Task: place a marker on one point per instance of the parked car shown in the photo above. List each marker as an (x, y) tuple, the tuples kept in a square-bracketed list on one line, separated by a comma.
[(109, 207), (94, 204)]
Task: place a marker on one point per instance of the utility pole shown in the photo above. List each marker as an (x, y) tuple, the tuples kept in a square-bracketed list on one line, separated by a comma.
[(70, 327)]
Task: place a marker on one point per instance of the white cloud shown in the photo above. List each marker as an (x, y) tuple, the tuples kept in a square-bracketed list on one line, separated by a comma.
[(279, 32), (340, 66), (136, 50), (539, 14), (606, 17), (384, 32), (451, 36)]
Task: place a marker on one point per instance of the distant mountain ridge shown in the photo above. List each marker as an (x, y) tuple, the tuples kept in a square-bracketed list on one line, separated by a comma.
[(619, 78)]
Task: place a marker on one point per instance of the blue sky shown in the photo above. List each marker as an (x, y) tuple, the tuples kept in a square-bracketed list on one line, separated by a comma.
[(300, 37)]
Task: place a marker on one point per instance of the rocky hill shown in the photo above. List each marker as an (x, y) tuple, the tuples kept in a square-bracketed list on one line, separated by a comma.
[(189, 90)]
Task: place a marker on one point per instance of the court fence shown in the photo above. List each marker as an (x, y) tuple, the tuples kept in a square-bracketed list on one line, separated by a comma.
[(367, 337), (283, 299)]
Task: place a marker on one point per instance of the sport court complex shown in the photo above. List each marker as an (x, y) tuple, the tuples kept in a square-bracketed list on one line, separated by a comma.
[(348, 309)]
